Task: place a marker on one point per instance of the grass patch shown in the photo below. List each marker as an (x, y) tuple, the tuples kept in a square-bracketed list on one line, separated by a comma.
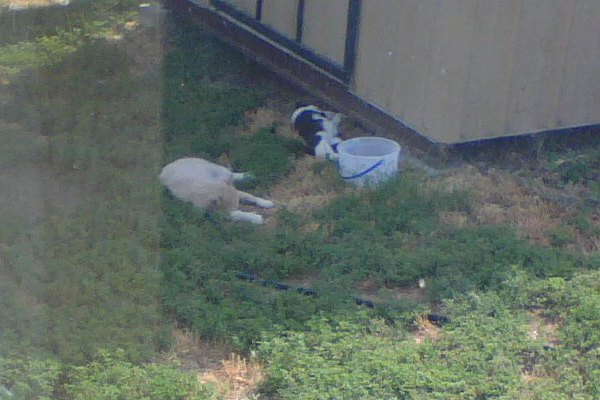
[(26, 43), (201, 106), (269, 157), (88, 277), (390, 237)]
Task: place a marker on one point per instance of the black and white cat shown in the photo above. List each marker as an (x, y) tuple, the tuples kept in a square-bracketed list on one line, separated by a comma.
[(319, 129)]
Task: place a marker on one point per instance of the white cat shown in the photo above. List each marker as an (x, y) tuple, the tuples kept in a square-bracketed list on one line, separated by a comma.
[(210, 186)]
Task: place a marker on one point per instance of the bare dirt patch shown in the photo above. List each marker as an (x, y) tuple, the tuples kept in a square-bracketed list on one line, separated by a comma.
[(426, 331), (544, 329)]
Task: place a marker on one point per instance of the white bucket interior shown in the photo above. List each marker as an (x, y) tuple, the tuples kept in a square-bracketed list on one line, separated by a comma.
[(368, 160)]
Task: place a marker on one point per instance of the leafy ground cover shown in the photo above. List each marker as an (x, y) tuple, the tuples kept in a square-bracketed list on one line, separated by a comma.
[(490, 350), (108, 258)]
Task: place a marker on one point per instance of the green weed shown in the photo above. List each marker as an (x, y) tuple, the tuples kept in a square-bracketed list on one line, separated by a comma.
[(108, 375)]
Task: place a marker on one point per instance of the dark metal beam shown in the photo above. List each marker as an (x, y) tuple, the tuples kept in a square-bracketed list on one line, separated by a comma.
[(258, 12), (352, 30), (300, 20)]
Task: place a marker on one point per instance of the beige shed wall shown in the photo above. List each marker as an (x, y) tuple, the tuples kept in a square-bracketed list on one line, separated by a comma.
[(537, 67), (580, 88), (458, 70), (280, 15), (325, 28)]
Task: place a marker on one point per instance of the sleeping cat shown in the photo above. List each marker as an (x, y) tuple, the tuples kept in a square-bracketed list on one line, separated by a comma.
[(319, 129), (210, 186)]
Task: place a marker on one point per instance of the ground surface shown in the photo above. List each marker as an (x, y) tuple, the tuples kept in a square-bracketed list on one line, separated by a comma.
[(528, 198)]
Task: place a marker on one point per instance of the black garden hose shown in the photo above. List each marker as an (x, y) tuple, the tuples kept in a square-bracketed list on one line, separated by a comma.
[(436, 319)]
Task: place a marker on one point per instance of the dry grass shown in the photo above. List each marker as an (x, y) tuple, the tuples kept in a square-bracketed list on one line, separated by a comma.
[(195, 354), (308, 187), (236, 378), (305, 189), (266, 117), (501, 198)]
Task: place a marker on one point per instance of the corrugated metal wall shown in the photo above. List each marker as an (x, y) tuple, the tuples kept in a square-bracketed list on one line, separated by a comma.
[(456, 70)]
